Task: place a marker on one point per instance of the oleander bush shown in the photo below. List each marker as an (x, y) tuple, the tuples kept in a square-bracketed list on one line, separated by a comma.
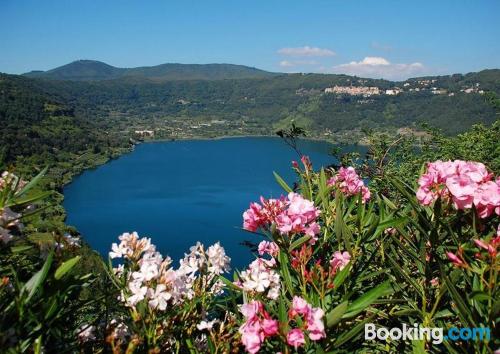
[(333, 256)]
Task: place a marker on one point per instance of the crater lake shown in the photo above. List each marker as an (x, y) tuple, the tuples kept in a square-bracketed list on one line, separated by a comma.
[(180, 192)]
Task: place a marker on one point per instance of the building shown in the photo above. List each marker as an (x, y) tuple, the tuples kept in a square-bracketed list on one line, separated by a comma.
[(145, 133), (393, 92), (364, 91)]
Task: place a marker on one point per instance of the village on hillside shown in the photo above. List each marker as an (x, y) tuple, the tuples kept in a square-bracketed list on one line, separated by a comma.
[(420, 85)]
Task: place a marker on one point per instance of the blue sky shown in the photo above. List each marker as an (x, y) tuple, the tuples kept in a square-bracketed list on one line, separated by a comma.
[(391, 39)]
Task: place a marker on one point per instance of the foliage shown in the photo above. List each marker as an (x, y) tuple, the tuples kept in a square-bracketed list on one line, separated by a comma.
[(40, 292)]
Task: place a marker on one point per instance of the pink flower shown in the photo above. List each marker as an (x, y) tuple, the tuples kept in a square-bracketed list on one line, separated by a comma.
[(490, 247), (487, 199), (349, 183), (251, 309), (455, 259), (315, 324), (293, 214), (306, 162), (253, 218), (465, 183), (312, 316), (299, 306), (295, 338), (252, 339), (340, 260), (257, 327), (270, 248), (462, 190), (270, 327)]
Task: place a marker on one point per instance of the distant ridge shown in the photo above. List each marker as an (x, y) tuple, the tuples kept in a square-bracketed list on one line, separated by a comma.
[(92, 70)]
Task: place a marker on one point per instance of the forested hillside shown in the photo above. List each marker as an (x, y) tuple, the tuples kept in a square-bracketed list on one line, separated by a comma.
[(91, 70), (42, 117), (274, 102), (41, 129)]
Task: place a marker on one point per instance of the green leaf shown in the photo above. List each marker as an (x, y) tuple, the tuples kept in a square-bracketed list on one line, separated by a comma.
[(20, 249), (299, 242), (341, 276), (228, 283), (347, 336), (283, 259), (463, 309), (30, 199), (65, 267), (418, 346), (282, 183), (368, 298), (334, 316), (34, 181), (38, 278)]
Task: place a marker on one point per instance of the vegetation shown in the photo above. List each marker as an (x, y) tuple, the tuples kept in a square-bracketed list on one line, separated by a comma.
[(339, 252), (334, 257), (87, 70)]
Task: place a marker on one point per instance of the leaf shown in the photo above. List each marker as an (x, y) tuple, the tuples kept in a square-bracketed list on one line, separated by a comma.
[(334, 316), (65, 267), (463, 309), (30, 199), (283, 259), (282, 316), (299, 242), (34, 181), (368, 298), (20, 249), (345, 337), (323, 189), (282, 183), (341, 276), (36, 280), (228, 283), (418, 346), (393, 223)]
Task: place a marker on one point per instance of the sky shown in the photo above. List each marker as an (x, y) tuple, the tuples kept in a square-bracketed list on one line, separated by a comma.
[(388, 39)]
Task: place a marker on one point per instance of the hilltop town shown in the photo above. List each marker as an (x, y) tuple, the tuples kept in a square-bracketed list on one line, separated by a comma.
[(417, 85)]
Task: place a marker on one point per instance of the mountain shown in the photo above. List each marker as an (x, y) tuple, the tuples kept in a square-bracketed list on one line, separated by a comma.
[(91, 70)]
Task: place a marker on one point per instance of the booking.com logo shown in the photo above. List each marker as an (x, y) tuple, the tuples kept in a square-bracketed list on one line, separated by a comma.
[(436, 335)]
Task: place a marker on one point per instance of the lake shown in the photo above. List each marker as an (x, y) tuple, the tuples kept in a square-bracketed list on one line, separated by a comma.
[(182, 191)]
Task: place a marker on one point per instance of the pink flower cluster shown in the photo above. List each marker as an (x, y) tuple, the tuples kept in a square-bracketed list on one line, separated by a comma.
[(270, 248), (349, 183), (257, 327), (465, 183), (293, 214), (312, 319), (339, 260)]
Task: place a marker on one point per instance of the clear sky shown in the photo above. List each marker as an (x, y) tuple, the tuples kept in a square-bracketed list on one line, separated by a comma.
[(391, 39)]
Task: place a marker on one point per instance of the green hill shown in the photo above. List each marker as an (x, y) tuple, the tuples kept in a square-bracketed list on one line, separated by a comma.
[(91, 70)]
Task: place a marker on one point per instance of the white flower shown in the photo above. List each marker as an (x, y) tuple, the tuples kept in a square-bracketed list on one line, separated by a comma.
[(119, 269), (117, 251), (5, 236), (206, 325), (120, 330), (260, 277), (138, 293), (218, 261), (86, 333), (72, 241), (159, 297)]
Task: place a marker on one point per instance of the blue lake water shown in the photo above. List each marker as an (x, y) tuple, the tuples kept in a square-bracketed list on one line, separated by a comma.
[(183, 191)]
